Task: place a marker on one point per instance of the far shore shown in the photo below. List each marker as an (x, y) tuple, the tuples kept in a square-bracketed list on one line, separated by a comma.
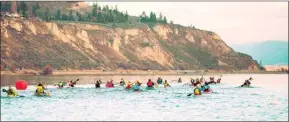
[(137, 72)]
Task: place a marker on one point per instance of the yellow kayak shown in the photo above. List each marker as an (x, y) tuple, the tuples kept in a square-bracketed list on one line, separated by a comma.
[(42, 95), (14, 96)]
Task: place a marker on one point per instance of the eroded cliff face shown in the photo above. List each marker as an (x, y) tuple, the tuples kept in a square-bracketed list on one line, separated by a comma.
[(32, 44)]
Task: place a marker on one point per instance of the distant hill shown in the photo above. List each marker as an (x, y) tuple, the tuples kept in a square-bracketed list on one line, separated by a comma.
[(269, 52)]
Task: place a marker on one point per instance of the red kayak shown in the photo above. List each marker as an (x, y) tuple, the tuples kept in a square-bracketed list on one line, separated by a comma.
[(109, 85), (207, 91)]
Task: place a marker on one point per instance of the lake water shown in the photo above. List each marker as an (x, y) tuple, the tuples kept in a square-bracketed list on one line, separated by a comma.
[(267, 101)]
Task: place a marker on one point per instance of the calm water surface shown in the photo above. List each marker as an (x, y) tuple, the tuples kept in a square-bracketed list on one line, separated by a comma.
[(268, 100)]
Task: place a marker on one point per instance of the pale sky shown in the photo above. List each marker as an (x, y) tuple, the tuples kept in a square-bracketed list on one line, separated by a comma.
[(234, 22)]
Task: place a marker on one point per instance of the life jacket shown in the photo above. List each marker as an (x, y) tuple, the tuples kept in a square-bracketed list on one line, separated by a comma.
[(166, 84), (122, 83), (97, 84), (160, 81), (135, 87), (109, 85), (219, 81), (197, 91), (150, 84), (39, 89), (60, 84), (128, 86)]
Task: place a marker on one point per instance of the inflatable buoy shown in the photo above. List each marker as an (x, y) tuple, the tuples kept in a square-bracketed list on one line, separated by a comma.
[(21, 85)]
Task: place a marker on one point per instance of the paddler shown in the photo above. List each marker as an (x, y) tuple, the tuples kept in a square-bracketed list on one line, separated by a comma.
[(122, 82), (196, 82), (247, 82), (197, 90), (10, 91), (166, 84), (40, 88), (211, 81), (160, 80), (109, 84), (150, 83), (128, 85), (136, 86), (180, 80), (219, 80), (192, 82), (71, 84), (138, 83), (97, 83), (60, 84)]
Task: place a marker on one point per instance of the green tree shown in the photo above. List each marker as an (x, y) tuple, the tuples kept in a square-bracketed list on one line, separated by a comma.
[(79, 16), (58, 15), (47, 15), (25, 14), (37, 6), (160, 17), (89, 17), (144, 18), (94, 10), (64, 17), (71, 17), (151, 17), (34, 10), (99, 8), (106, 7), (100, 17), (165, 20), (23, 8), (115, 9), (126, 16), (6, 6)]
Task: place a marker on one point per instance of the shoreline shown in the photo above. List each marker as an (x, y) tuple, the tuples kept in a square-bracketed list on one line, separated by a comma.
[(135, 72)]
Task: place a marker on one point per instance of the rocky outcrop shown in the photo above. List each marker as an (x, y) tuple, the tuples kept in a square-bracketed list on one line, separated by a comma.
[(32, 44)]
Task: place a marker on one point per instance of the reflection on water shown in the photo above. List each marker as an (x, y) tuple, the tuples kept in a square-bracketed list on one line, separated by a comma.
[(267, 101)]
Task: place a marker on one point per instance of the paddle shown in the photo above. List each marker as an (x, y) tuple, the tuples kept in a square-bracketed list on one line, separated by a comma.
[(190, 94)]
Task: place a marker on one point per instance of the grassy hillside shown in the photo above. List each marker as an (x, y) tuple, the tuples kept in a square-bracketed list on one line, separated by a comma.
[(95, 44)]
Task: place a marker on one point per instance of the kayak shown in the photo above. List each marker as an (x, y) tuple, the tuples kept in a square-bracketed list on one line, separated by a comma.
[(207, 91), (13, 96), (150, 88), (138, 90), (42, 95), (245, 87)]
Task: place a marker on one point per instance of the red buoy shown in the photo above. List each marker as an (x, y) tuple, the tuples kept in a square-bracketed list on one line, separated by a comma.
[(21, 85)]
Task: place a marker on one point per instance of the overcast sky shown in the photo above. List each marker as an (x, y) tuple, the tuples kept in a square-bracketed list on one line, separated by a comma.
[(234, 22)]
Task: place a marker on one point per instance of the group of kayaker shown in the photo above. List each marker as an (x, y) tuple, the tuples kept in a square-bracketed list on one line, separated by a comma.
[(134, 86), (61, 84), (199, 85)]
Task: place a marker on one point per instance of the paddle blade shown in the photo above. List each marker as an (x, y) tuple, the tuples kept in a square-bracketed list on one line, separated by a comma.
[(4, 90), (189, 94)]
